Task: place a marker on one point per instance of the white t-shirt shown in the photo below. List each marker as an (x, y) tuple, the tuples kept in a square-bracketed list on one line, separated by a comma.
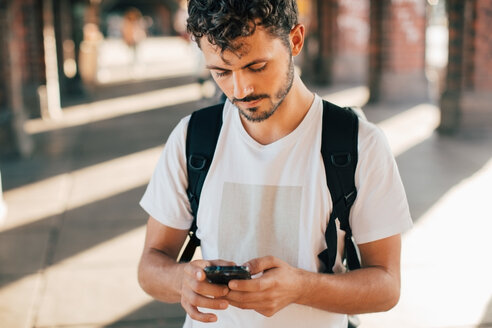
[(260, 200)]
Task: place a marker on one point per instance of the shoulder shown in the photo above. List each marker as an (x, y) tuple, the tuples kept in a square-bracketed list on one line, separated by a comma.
[(179, 133), (371, 137)]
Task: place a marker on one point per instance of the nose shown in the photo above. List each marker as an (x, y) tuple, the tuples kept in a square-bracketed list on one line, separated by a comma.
[(242, 85)]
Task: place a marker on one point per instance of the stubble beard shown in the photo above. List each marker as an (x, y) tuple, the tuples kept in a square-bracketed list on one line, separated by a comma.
[(249, 113)]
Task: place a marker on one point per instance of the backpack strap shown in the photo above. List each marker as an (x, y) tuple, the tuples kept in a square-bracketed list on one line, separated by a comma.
[(201, 140), (340, 153)]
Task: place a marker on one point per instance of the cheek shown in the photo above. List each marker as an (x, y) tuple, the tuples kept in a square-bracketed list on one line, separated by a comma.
[(224, 84)]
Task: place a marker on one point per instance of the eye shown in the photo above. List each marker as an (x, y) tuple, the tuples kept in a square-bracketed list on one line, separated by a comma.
[(257, 67), (221, 73)]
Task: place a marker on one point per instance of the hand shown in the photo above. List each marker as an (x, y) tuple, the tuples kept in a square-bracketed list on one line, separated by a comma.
[(279, 286), (196, 291)]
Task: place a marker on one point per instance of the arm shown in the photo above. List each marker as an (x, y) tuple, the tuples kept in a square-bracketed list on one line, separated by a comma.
[(163, 278), (373, 288)]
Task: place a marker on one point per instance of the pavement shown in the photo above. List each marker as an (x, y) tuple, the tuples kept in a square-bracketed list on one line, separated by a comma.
[(72, 237)]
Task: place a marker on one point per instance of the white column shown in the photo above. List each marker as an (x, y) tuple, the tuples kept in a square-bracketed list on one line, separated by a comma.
[(50, 106)]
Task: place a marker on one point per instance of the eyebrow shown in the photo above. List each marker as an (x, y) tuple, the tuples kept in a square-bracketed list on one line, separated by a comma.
[(254, 62)]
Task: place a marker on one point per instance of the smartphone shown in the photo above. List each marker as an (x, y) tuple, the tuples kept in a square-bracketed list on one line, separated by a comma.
[(223, 274)]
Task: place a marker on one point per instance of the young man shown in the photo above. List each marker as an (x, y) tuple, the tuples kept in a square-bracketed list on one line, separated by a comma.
[(265, 202)]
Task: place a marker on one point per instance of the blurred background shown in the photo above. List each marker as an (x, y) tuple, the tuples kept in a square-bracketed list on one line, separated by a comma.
[(90, 90)]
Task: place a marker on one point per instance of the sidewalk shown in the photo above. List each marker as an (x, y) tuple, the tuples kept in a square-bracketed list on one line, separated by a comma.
[(74, 231)]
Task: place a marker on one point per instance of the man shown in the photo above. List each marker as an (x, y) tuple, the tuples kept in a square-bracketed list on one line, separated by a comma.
[(265, 202)]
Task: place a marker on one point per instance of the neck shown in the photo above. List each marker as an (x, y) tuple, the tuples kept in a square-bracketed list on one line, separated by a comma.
[(286, 118)]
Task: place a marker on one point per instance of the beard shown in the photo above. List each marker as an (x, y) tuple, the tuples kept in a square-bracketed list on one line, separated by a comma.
[(253, 114)]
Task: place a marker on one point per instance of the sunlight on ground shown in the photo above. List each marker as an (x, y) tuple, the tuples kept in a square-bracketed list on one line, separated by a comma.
[(411, 127), (445, 277), (68, 191), (357, 96), (82, 288), (115, 107)]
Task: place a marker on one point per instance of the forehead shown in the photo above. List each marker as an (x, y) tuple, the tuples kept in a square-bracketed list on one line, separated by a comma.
[(261, 44)]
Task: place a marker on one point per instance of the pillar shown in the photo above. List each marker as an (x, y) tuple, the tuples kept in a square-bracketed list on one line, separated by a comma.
[(14, 72), (465, 103), (7, 136), (350, 59), (326, 11), (397, 51)]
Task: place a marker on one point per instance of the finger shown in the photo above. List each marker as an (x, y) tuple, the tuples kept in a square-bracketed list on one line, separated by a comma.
[(195, 269), (250, 285), (235, 297), (262, 264), (206, 288), (245, 305), (222, 262), (198, 300), (209, 289), (197, 315)]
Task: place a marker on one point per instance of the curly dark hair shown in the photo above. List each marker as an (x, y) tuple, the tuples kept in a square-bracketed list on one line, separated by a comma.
[(223, 21)]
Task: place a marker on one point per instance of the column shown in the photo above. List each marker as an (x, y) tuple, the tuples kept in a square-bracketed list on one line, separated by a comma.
[(351, 55), (476, 95), (397, 51)]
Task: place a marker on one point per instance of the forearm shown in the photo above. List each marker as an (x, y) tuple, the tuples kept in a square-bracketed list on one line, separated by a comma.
[(160, 276), (371, 289)]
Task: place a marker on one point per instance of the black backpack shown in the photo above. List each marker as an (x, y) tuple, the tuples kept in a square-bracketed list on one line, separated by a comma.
[(339, 152)]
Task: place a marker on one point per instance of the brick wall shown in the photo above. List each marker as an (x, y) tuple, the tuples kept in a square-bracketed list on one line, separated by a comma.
[(30, 27), (353, 26), (351, 41), (21, 70), (404, 36), (482, 43), (326, 12), (397, 50), (465, 103), (7, 141)]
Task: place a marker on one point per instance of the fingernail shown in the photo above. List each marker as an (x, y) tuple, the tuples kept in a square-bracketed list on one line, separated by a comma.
[(223, 305), (199, 275)]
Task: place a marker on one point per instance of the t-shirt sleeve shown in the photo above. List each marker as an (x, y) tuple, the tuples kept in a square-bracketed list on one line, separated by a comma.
[(165, 198), (381, 208)]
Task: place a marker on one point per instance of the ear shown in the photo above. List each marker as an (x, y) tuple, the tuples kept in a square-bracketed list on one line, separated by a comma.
[(297, 39)]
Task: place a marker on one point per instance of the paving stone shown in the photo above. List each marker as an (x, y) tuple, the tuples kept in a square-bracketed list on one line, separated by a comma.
[(17, 300), (23, 253), (78, 296), (84, 247)]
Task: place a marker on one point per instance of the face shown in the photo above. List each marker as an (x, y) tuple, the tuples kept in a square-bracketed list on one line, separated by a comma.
[(257, 77)]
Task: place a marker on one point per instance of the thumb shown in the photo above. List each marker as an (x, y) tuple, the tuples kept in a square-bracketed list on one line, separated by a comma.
[(262, 264)]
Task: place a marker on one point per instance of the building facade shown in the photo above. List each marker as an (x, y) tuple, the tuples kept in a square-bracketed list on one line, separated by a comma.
[(378, 43)]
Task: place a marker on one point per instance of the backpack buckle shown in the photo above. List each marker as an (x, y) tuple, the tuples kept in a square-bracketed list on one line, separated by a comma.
[(197, 162), (341, 159)]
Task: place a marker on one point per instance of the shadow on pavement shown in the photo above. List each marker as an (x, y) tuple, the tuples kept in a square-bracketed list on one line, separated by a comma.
[(487, 316), (37, 246), (122, 89), (430, 169), (154, 314), (68, 149)]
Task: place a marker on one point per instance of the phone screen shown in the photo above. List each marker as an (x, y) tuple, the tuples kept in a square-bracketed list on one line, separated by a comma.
[(223, 274)]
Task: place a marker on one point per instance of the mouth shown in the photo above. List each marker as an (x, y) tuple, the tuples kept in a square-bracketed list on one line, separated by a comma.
[(251, 104)]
